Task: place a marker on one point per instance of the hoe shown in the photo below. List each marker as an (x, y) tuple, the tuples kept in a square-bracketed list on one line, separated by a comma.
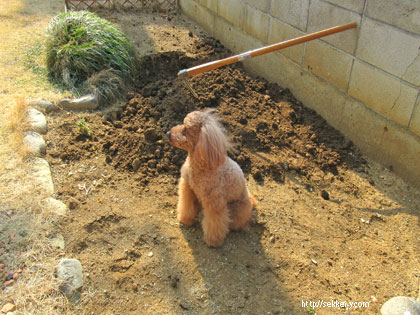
[(184, 74)]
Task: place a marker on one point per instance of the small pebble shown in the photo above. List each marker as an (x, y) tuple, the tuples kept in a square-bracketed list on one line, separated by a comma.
[(150, 254), (72, 203), (9, 283), (8, 307), (16, 276), (9, 275), (325, 195)]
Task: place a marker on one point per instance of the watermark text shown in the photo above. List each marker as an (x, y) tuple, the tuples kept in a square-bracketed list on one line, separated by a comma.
[(348, 305)]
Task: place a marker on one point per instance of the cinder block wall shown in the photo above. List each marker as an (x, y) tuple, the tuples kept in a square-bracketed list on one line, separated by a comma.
[(365, 82)]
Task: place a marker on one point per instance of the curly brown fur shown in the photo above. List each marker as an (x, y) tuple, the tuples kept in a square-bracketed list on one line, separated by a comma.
[(210, 180)]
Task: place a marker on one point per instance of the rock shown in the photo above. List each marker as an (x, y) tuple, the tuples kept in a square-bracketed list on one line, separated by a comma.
[(69, 271), (41, 173), (34, 143), (150, 135), (401, 305), (52, 205), (152, 163), (8, 307), (58, 242), (9, 283), (136, 164), (72, 203), (42, 105), (88, 102), (325, 195), (37, 121)]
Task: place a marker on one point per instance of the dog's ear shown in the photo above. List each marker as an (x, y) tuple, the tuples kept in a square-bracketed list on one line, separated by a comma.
[(212, 145)]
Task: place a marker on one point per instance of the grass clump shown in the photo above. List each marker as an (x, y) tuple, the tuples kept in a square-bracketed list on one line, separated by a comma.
[(80, 45), (84, 128)]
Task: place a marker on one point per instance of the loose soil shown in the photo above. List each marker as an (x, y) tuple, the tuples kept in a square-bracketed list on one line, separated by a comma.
[(329, 225)]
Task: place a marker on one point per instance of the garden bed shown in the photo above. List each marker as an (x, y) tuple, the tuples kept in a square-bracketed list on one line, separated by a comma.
[(329, 224)]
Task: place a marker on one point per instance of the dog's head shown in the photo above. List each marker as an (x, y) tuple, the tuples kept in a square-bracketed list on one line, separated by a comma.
[(203, 137)]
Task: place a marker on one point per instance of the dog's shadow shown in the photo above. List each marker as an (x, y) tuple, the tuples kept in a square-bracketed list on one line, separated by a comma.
[(239, 277)]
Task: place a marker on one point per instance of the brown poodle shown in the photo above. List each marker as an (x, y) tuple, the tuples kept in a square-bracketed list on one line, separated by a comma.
[(210, 179)]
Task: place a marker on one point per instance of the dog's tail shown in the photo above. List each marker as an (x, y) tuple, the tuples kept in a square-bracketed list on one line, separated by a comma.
[(253, 200)]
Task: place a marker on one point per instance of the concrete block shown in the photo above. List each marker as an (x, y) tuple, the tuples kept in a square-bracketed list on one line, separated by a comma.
[(354, 5), (415, 120), (328, 63), (231, 11), (403, 14), (263, 5), (279, 32), (320, 96), (293, 12), (390, 49), (204, 17), (363, 126), (188, 7), (315, 93), (256, 23), (277, 68), (383, 93), (233, 38), (323, 15), (381, 140), (402, 151), (209, 4)]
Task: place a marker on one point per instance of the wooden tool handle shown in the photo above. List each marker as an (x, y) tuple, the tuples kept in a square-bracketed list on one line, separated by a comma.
[(264, 50)]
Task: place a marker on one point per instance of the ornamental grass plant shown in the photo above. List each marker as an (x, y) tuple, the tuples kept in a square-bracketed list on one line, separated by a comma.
[(82, 50)]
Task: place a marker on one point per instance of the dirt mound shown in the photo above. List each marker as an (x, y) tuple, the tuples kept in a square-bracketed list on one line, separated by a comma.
[(264, 121)]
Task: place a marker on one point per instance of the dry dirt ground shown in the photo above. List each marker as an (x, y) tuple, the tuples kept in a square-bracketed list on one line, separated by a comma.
[(24, 228), (330, 224)]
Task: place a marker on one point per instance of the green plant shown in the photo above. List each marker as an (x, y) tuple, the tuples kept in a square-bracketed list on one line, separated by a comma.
[(84, 128), (311, 310), (80, 45)]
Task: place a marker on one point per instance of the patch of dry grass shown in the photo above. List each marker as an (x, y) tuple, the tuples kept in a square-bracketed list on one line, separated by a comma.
[(25, 230)]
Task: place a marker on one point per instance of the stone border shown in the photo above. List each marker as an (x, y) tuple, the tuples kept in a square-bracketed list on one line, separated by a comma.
[(69, 271)]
